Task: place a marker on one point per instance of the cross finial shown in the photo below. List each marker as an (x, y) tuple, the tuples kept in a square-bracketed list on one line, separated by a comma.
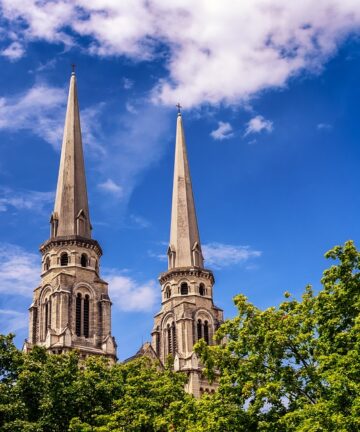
[(73, 68), (178, 106)]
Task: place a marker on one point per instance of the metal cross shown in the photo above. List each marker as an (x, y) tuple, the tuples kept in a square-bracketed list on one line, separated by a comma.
[(73, 68), (179, 107)]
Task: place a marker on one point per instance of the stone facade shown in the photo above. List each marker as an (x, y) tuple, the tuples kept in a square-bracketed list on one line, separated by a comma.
[(187, 310), (187, 315), (71, 308)]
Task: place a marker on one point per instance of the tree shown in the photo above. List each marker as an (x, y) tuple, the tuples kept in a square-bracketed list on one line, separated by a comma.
[(295, 367), (56, 393)]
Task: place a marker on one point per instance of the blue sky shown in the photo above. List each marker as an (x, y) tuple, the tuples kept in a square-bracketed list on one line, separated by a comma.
[(270, 95)]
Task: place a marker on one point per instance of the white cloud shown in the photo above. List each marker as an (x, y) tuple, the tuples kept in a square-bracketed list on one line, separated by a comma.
[(137, 143), (11, 320), (14, 51), (217, 52), (220, 255), (24, 200), (129, 295), (41, 110), (258, 124), (111, 187), (19, 270), (224, 131)]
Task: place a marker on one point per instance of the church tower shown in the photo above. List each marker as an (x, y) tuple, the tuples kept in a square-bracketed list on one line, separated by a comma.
[(71, 308), (187, 310)]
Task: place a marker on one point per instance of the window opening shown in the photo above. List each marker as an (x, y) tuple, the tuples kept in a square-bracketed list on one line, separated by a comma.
[(169, 339), (173, 338), (199, 329), (84, 260), (184, 289), (206, 332), (78, 315), (64, 259), (86, 316)]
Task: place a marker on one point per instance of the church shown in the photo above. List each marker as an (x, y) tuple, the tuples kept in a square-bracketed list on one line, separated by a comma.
[(71, 308)]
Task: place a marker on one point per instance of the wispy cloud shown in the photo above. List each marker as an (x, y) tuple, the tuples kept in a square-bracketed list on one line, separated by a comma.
[(41, 110), (127, 83), (324, 126), (223, 131), (246, 48), (19, 270), (11, 320), (137, 143), (38, 110), (220, 255), (111, 187), (258, 124), (139, 221), (129, 295), (11, 199), (14, 51)]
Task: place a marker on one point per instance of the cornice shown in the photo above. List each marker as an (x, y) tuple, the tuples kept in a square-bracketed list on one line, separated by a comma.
[(74, 240), (187, 271)]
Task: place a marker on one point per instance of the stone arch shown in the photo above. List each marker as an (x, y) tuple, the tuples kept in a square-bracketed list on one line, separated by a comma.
[(46, 262), (204, 325), (84, 260), (61, 253), (167, 333), (167, 292), (45, 293), (183, 281), (84, 288), (84, 304)]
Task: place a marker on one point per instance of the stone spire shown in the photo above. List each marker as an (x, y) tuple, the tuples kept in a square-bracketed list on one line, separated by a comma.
[(185, 248), (71, 210)]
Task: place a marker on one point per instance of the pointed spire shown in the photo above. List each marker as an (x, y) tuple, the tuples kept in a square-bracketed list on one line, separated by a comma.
[(185, 248), (71, 210)]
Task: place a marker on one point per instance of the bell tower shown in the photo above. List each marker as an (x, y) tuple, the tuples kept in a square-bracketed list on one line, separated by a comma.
[(71, 308), (187, 310)]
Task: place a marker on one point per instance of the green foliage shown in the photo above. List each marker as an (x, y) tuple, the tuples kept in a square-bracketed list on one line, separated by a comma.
[(294, 368)]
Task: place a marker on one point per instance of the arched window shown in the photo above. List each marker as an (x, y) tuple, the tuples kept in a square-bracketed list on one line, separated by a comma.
[(168, 292), (86, 316), (78, 315), (158, 344), (184, 288), (97, 266), (199, 329), (169, 338), (64, 259), (47, 264), (206, 332), (173, 328), (46, 315), (202, 289), (84, 260)]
